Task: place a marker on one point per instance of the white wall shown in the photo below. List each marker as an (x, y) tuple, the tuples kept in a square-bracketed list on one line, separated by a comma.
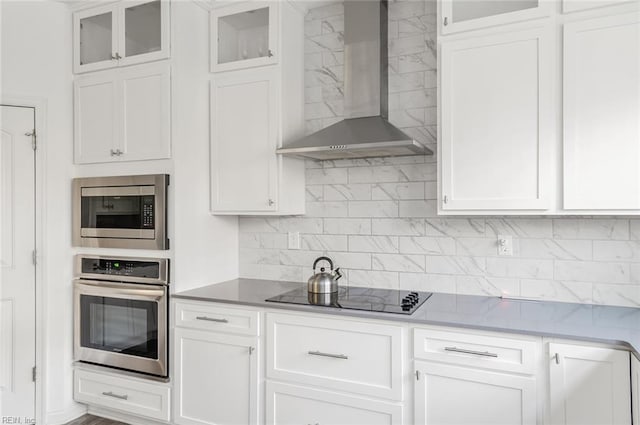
[(37, 63)]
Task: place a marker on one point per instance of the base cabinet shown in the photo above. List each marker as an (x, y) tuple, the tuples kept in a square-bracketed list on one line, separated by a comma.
[(488, 397), (298, 405), (588, 385), (216, 378)]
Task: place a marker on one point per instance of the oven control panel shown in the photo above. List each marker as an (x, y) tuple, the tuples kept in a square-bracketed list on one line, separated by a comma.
[(120, 267)]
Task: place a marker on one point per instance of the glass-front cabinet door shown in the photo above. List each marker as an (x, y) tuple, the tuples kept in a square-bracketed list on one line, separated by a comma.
[(144, 34), (95, 38), (244, 36), (466, 15), (122, 33)]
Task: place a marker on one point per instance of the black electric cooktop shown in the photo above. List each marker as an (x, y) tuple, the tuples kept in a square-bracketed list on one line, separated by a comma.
[(357, 298)]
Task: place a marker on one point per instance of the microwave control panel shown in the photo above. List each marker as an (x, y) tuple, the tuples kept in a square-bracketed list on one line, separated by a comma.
[(147, 212)]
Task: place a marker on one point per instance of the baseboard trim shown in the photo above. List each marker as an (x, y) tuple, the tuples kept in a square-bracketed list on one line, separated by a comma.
[(63, 416)]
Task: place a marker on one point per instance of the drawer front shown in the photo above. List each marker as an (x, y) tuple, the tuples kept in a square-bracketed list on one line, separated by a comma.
[(350, 356), (497, 353), (127, 395), (295, 405), (213, 317)]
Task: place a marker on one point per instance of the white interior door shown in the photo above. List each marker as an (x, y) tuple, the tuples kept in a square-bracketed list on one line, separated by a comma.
[(17, 271)]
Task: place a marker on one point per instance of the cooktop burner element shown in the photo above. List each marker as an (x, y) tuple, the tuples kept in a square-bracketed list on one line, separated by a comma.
[(357, 298)]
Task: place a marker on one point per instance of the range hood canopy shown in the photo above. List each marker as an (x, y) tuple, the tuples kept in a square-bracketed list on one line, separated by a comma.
[(365, 132)]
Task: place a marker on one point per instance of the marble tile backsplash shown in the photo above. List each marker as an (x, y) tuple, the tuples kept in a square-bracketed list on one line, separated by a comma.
[(377, 217)]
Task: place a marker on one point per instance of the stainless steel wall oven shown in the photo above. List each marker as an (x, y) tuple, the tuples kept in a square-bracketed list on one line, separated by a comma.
[(121, 313), (121, 212)]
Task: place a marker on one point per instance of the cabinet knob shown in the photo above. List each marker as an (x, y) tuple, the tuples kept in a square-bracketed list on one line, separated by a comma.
[(446, 21), (445, 199), (270, 53), (270, 202), (113, 153)]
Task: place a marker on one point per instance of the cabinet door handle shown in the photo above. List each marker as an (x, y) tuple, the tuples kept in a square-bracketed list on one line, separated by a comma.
[(270, 53), (212, 319), (113, 153), (557, 358), (271, 202), (110, 394), (333, 356), (118, 56), (446, 21), (474, 352), (114, 57)]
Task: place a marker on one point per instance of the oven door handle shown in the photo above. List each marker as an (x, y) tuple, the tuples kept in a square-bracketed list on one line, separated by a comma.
[(132, 291)]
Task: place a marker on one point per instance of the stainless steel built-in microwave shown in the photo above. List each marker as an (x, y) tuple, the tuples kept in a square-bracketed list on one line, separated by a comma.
[(121, 212)]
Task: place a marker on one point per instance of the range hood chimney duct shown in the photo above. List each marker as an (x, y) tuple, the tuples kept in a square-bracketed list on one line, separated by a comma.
[(365, 131)]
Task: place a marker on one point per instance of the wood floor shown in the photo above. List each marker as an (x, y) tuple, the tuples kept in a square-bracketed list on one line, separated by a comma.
[(93, 420)]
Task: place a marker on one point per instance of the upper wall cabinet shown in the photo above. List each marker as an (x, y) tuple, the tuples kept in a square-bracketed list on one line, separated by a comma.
[(496, 121), (123, 114), (601, 113), (120, 34), (256, 110), (466, 15), (244, 35)]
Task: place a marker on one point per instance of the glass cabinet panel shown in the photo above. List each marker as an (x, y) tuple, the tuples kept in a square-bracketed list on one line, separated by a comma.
[(466, 10), (243, 36), (143, 28), (96, 36)]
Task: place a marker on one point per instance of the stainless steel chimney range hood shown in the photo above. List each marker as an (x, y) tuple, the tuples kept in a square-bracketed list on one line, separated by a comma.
[(365, 132)]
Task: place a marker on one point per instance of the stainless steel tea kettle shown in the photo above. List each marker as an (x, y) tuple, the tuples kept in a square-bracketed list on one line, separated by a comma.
[(324, 282)]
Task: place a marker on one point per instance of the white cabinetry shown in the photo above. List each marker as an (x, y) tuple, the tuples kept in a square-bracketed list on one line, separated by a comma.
[(244, 35), (119, 34), (338, 371), (296, 405), (446, 394), (601, 84), (464, 15), (253, 112), (588, 385), (216, 364), (496, 124), (130, 395), (123, 114), (635, 389), (492, 377)]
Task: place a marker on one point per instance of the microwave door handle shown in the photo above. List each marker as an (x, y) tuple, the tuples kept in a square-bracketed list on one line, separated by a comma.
[(142, 292)]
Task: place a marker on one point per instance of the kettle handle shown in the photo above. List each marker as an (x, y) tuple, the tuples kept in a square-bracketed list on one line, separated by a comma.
[(315, 263)]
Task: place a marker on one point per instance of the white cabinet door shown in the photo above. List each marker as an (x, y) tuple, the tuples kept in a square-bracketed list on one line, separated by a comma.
[(244, 137), (123, 114), (296, 405), (146, 109), (244, 35), (635, 389), (458, 395), (569, 6), (496, 124), (588, 385), (216, 378), (465, 15), (96, 118), (95, 38), (601, 113)]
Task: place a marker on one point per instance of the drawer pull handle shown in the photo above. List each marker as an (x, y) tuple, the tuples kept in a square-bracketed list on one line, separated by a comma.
[(211, 319), (476, 353), (333, 356), (110, 394)]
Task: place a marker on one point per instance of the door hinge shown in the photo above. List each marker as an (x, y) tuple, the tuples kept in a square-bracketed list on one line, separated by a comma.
[(33, 374), (34, 257), (32, 134)]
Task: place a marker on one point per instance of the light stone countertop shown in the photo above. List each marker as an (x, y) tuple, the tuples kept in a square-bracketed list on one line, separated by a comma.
[(586, 322)]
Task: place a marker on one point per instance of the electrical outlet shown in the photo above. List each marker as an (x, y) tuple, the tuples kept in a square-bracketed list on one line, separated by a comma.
[(293, 240), (505, 245)]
